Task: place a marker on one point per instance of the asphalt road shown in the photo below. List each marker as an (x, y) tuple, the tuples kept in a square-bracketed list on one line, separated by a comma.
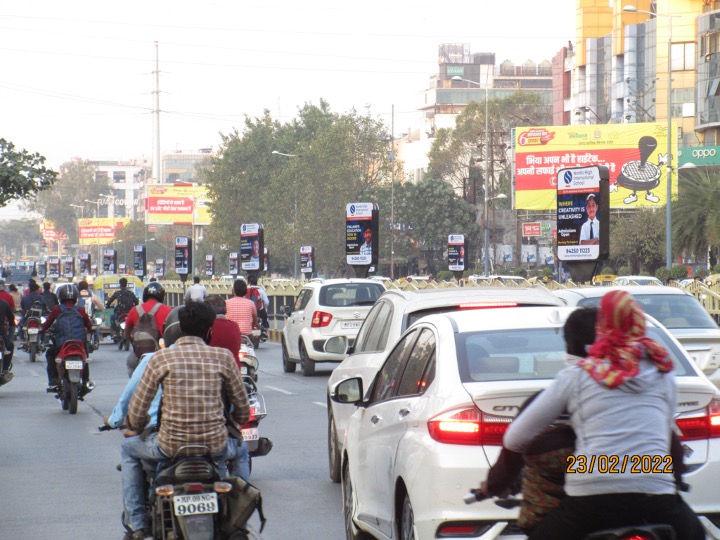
[(57, 472)]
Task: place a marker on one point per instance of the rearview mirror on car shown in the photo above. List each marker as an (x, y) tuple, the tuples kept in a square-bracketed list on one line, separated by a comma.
[(336, 345)]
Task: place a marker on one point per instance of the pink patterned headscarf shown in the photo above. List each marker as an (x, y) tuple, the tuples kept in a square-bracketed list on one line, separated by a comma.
[(621, 342)]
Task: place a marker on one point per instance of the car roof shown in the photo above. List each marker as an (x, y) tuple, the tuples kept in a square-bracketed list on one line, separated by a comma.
[(429, 298), (594, 292)]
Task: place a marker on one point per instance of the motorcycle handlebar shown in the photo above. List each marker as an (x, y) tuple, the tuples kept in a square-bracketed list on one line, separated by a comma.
[(105, 427)]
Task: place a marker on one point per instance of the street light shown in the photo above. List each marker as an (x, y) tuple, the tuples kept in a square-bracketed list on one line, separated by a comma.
[(486, 238), (668, 206), (584, 110), (295, 246)]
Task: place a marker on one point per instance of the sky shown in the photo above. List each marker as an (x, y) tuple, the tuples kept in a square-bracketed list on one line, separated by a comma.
[(77, 76)]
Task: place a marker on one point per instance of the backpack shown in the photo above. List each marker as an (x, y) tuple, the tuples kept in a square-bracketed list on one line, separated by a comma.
[(240, 503), (254, 294), (126, 301), (68, 325), (145, 335), (85, 301)]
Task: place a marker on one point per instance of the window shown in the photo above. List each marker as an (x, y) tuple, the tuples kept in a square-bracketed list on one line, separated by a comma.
[(415, 379), (302, 300), (387, 378), (119, 176), (374, 332), (682, 56)]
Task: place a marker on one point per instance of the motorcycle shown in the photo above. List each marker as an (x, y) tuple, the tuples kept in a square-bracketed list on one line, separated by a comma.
[(186, 497), (258, 446), (91, 344), (256, 337), (635, 532), (34, 344), (118, 333), (5, 376), (72, 387)]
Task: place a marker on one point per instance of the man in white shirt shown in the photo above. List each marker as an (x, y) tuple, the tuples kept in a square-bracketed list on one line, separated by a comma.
[(590, 231), (196, 292)]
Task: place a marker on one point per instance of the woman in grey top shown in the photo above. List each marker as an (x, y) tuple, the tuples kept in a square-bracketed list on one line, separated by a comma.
[(621, 401)]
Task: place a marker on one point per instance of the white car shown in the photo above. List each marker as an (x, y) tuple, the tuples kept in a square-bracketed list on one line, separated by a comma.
[(674, 308), (432, 422), (391, 315), (323, 309)]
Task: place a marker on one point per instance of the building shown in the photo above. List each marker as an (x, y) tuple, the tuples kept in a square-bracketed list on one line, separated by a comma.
[(127, 180)]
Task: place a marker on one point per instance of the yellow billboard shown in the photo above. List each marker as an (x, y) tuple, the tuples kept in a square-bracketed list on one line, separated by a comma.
[(92, 231), (635, 154), (175, 204)]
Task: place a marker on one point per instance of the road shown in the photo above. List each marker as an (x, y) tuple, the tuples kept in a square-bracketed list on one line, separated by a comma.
[(58, 472)]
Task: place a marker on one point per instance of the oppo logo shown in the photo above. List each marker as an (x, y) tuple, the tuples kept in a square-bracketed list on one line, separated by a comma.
[(703, 153)]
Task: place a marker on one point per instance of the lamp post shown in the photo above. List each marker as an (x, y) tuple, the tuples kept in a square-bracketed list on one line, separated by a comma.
[(295, 246), (580, 110), (97, 216), (668, 205)]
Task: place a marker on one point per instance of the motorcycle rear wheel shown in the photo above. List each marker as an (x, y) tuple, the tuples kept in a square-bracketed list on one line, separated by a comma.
[(65, 395), (73, 398), (33, 351)]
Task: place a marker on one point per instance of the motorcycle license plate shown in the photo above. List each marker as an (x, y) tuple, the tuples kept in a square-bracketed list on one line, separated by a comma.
[(33, 331), (255, 333), (190, 505), (243, 370), (250, 434), (73, 364)]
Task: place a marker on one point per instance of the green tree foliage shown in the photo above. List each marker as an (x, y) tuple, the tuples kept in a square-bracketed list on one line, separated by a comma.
[(22, 174), (18, 234), (695, 216), (75, 184), (637, 240), (335, 159)]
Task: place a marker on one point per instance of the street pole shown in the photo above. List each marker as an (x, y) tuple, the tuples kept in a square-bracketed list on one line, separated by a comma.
[(486, 239), (392, 196), (295, 246)]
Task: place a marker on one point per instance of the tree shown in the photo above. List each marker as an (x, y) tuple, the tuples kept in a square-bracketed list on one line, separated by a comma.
[(77, 182), (637, 240), (22, 174), (695, 217), (333, 159)]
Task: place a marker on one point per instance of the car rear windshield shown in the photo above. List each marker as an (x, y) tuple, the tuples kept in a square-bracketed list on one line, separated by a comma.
[(523, 354), (671, 310), (350, 294)]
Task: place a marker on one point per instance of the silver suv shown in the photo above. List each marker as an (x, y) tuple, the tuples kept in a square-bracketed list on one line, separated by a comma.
[(325, 309), (393, 313)]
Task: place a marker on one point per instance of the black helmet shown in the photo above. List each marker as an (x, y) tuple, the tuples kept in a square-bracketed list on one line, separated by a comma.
[(68, 291), (171, 330), (154, 290)]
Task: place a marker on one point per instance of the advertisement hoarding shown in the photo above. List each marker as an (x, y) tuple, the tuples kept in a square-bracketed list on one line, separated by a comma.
[(361, 234), (92, 231), (168, 204)]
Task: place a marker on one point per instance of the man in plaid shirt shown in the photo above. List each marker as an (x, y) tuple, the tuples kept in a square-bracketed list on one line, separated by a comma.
[(193, 377)]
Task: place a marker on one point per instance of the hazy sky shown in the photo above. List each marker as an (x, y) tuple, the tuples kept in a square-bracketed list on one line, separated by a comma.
[(76, 76)]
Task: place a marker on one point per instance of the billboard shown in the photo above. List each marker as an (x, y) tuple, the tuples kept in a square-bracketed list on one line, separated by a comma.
[(168, 204), (456, 252), (251, 246), (92, 231), (635, 154), (361, 233), (307, 254)]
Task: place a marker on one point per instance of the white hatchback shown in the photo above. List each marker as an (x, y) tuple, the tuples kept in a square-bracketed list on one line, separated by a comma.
[(325, 309), (432, 422)]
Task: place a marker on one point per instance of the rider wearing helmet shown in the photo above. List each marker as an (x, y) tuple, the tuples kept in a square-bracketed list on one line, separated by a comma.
[(73, 323), (153, 293)]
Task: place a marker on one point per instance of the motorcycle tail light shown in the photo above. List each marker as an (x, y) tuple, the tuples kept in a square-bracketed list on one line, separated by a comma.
[(222, 487), (165, 491), (321, 319), (194, 488)]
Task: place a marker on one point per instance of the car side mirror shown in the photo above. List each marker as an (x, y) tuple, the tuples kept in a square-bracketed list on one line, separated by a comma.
[(336, 345), (348, 391), (285, 310)]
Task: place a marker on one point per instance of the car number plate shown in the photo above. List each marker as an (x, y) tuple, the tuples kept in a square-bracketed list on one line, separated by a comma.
[(351, 324), (33, 330), (250, 434), (190, 505), (73, 364), (243, 370)]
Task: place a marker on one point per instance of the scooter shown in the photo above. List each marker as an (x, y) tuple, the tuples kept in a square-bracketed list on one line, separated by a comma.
[(258, 446), (71, 367), (118, 333), (91, 345), (636, 532)]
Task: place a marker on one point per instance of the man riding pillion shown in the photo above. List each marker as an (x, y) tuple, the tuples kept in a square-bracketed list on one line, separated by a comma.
[(32, 299), (7, 325), (194, 378), (125, 299), (240, 310), (75, 325), (254, 291), (153, 293), (90, 302)]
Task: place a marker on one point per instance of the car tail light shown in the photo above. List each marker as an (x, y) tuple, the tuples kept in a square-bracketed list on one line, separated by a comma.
[(468, 426), (706, 426), (486, 305), (462, 529), (320, 319)]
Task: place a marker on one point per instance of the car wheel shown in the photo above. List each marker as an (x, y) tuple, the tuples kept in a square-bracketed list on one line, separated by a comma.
[(333, 447), (407, 520), (308, 366), (351, 531), (288, 365)]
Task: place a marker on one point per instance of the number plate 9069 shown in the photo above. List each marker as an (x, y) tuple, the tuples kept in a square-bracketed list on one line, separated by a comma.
[(190, 505)]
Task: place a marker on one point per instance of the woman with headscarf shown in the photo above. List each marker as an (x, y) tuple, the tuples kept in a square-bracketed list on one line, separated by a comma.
[(621, 401)]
